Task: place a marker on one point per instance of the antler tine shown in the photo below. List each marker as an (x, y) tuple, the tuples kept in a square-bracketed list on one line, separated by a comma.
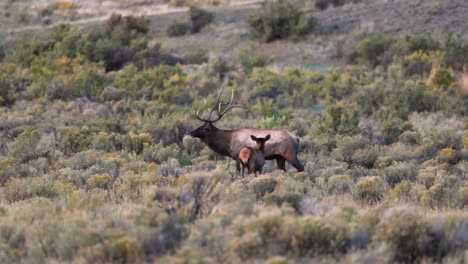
[(218, 104), (198, 117), (229, 107)]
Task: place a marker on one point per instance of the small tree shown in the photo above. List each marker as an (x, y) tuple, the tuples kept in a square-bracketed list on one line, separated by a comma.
[(279, 19), (199, 18)]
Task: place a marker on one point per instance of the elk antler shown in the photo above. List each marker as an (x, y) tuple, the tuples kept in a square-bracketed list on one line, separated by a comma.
[(229, 106), (217, 107)]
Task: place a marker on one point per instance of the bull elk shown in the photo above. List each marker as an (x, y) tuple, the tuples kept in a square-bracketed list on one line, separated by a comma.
[(283, 146), (253, 159)]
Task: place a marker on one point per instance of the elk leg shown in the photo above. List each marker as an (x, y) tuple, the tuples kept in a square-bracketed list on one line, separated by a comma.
[(238, 166), (242, 167), (252, 168), (296, 163), (281, 163)]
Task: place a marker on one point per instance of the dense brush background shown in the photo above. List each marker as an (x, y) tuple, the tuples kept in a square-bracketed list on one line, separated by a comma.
[(96, 165)]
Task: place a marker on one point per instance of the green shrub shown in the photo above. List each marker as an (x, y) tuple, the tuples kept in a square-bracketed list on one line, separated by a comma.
[(113, 54), (12, 81), (443, 78), (15, 190), (192, 145), (134, 142), (13, 241), (370, 189), (414, 43), (102, 181), (426, 178), (437, 196), (340, 118), (73, 139), (197, 56), (393, 128), (419, 63), (250, 60), (346, 147), (199, 18), (160, 154), (365, 157), (280, 19), (263, 185), (313, 236), (9, 167), (456, 53), (448, 155), (247, 246), (401, 191), (410, 138), (400, 172), (463, 196), (373, 47), (87, 81), (177, 28), (125, 250), (25, 145)]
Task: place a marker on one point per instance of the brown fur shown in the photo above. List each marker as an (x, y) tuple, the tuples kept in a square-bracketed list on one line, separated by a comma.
[(245, 154), (253, 159)]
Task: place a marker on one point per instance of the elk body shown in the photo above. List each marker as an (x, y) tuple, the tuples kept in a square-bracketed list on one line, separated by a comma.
[(253, 159), (282, 146)]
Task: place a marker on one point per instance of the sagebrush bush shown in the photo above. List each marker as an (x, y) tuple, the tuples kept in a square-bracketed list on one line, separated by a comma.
[(401, 191), (15, 190), (436, 196), (406, 232), (370, 189), (311, 236), (263, 185), (102, 181), (347, 146), (448, 155), (463, 196), (400, 172), (340, 184)]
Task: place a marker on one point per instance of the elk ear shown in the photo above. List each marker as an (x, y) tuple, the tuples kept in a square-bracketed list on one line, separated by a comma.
[(253, 137), (267, 137)]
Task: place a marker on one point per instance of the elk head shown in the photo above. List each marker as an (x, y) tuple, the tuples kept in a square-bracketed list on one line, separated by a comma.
[(260, 141), (208, 128)]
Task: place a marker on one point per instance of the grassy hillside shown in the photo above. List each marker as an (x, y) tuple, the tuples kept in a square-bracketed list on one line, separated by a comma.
[(97, 165)]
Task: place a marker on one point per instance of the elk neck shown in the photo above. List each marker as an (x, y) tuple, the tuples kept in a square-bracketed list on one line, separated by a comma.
[(219, 141)]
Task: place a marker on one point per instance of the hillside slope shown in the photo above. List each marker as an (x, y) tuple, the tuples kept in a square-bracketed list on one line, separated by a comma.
[(398, 16)]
